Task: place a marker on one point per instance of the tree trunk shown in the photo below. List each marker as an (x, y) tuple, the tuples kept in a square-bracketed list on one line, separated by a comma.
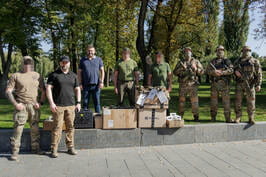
[(140, 39), (55, 49), (73, 40), (143, 50), (117, 32), (107, 78), (3, 83), (168, 46), (5, 67)]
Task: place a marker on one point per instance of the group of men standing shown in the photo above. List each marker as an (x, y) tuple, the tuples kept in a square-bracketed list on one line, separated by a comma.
[(63, 90), (246, 71)]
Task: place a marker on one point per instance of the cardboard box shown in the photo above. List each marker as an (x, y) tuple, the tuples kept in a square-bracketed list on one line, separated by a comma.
[(48, 125), (148, 98), (98, 120), (152, 118), (175, 123), (119, 118)]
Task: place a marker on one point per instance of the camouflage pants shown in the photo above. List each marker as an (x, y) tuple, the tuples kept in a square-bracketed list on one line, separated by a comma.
[(250, 97), (223, 89), (192, 91), (20, 118), (126, 88), (67, 114)]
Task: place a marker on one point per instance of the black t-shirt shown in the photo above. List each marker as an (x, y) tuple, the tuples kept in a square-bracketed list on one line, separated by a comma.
[(63, 87)]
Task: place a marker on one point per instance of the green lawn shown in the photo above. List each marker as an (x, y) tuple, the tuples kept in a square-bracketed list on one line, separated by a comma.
[(108, 98)]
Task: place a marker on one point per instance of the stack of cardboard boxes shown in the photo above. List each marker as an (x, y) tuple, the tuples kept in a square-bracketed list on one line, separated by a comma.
[(150, 112), (152, 104)]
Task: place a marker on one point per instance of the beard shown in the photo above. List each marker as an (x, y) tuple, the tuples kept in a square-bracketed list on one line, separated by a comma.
[(64, 68), (220, 55), (247, 54), (188, 56), (90, 54)]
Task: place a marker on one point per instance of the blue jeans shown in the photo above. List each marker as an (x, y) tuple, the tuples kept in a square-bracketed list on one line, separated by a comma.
[(95, 91)]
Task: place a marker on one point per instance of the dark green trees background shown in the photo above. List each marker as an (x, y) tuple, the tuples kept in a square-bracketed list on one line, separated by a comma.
[(145, 26)]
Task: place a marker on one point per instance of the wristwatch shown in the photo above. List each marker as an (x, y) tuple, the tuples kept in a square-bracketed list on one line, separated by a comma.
[(78, 102)]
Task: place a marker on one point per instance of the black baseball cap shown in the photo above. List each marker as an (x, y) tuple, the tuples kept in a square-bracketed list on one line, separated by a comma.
[(64, 58)]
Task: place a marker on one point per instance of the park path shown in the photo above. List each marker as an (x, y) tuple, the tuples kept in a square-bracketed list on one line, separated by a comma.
[(234, 159)]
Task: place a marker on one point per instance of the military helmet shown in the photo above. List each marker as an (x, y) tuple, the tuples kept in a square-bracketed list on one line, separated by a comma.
[(27, 60), (220, 47), (246, 48), (187, 48)]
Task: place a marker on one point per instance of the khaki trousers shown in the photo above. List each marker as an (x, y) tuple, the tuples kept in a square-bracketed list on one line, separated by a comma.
[(67, 114), (20, 118)]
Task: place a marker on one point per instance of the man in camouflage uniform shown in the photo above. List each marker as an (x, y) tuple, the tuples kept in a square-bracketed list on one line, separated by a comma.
[(25, 86), (220, 70), (125, 78), (188, 72), (248, 81)]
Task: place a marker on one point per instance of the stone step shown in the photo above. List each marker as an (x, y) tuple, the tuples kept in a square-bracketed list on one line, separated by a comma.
[(189, 134)]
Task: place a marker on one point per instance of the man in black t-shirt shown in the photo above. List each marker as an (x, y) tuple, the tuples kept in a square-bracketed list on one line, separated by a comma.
[(62, 86)]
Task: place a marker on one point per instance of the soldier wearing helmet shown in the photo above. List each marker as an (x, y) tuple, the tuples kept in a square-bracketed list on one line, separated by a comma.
[(220, 70), (248, 77)]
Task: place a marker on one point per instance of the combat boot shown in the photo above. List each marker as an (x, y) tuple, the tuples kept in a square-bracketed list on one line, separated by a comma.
[(228, 120), (72, 151), (251, 121), (37, 151), (54, 154), (14, 156), (237, 120), (196, 118), (227, 116)]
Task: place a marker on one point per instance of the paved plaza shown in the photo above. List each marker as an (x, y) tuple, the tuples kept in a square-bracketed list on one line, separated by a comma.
[(236, 159)]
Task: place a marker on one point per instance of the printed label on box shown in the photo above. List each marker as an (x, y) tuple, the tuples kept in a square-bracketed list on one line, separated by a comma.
[(110, 123), (106, 111)]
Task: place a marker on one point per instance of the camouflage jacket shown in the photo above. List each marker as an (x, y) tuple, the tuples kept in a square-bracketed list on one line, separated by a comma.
[(250, 70), (220, 64), (188, 75)]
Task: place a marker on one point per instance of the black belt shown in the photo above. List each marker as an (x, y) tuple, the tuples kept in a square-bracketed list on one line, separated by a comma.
[(91, 84)]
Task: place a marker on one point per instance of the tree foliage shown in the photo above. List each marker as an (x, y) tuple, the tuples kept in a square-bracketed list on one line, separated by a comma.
[(145, 26)]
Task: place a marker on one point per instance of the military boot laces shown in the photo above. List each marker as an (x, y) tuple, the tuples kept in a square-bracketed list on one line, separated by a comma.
[(72, 151)]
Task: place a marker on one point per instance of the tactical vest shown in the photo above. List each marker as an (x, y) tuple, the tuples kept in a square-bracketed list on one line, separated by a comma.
[(188, 77), (246, 67), (221, 66)]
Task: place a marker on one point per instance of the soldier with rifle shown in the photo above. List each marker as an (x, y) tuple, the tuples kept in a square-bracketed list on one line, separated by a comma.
[(248, 76), (188, 72), (220, 70)]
